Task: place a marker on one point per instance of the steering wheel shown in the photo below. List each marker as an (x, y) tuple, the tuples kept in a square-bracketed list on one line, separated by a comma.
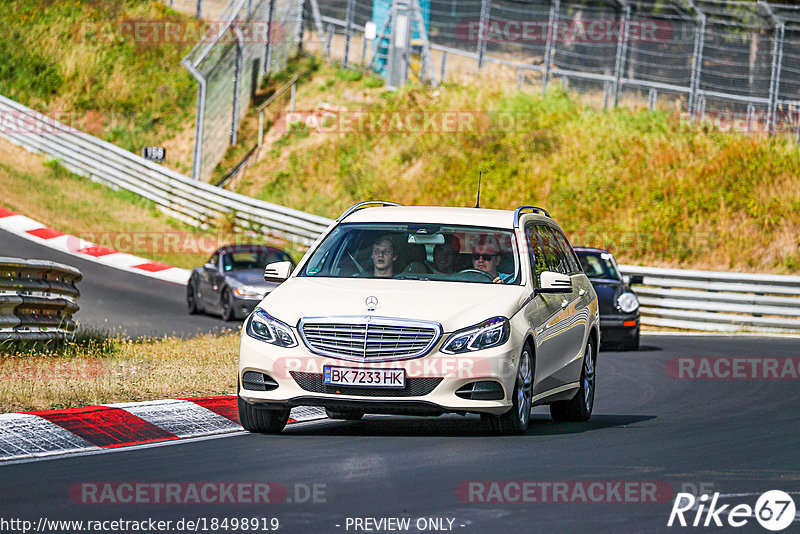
[(484, 273)]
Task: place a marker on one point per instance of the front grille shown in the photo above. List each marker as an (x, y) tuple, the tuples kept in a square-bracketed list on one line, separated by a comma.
[(415, 387), (369, 338)]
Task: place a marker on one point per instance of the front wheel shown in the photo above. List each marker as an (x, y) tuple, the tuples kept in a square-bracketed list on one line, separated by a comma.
[(516, 420), (191, 299), (579, 408), (228, 308), (261, 420)]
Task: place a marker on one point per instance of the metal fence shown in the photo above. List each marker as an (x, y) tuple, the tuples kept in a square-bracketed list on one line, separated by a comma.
[(736, 64), (252, 39), (715, 301), (193, 202), (37, 299)]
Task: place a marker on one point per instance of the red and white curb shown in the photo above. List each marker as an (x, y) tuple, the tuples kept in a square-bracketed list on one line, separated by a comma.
[(29, 435), (37, 232)]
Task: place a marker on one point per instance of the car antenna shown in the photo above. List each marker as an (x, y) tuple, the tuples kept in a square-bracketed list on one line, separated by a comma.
[(478, 203)]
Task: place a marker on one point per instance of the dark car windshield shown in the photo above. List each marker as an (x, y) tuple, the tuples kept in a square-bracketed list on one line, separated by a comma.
[(409, 251), (252, 259), (598, 265)]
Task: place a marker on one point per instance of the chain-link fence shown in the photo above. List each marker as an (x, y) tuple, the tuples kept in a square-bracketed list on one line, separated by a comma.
[(251, 39), (733, 63)]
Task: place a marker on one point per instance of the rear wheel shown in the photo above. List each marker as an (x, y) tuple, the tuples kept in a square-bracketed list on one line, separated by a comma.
[(228, 311), (348, 415), (579, 408), (516, 420), (261, 420)]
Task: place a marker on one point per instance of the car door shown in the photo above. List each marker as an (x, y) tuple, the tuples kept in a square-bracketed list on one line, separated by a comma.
[(577, 302), (545, 312), (206, 282)]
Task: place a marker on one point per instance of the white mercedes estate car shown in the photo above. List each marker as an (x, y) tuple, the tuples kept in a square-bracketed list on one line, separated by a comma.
[(425, 311)]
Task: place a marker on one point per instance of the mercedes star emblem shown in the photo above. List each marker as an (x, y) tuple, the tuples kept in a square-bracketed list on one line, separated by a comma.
[(372, 303)]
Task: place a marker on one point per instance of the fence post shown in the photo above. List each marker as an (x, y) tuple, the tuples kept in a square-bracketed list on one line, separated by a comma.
[(202, 82), (348, 31), (270, 37), (328, 40), (555, 6), (482, 30), (237, 81), (622, 49), (198, 12), (301, 4), (444, 66), (775, 76), (652, 99), (697, 61)]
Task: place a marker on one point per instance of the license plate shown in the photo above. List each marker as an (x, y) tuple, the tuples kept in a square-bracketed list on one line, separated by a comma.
[(348, 376)]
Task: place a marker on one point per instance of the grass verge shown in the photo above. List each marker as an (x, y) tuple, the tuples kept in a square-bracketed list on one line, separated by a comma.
[(96, 370)]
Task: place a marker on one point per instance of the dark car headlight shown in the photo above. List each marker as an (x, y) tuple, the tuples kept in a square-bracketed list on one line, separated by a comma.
[(627, 302), (263, 327), (490, 333)]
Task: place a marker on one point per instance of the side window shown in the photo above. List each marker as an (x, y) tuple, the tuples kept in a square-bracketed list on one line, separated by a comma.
[(214, 259), (568, 264), (540, 249)]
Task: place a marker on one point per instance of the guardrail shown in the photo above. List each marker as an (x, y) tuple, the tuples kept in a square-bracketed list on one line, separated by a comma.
[(195, 203), (717, 301), (37, 299)]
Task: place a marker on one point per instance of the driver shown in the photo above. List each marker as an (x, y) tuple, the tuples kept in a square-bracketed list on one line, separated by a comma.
[(486, 258), (383, 257)]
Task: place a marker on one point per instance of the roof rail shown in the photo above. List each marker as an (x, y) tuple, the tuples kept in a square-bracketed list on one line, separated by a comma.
[(362, 205), (532, 209)]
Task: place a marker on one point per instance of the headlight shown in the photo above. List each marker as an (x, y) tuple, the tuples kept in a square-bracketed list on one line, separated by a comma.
[(628, 302), (268, 329), (490, 333), (247, 291)]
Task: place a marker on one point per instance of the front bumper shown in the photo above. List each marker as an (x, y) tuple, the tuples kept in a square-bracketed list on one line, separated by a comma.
[(431, 380), (619, 328)]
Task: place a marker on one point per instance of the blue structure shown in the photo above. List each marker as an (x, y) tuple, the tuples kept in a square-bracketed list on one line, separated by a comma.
[(380, 12)]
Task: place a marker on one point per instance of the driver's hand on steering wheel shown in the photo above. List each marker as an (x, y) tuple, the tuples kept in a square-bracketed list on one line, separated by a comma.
[(497, 280)]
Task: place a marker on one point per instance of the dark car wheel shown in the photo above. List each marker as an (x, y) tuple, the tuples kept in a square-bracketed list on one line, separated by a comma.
[(347, 415), (228, 309), (191, 299), (261, 420), (579, 408), (516, 420)]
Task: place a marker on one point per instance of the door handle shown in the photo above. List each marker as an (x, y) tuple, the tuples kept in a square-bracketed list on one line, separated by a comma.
[(582, 292)]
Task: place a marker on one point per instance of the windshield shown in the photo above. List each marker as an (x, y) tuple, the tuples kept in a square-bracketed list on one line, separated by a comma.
[(598, 265), (252, 259), (410, 251)]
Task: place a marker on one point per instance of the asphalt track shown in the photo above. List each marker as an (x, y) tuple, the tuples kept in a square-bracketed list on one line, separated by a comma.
[(119, 301), (728, 436)]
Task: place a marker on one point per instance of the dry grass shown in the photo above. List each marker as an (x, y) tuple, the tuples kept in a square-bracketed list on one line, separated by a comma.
[(122, 371)]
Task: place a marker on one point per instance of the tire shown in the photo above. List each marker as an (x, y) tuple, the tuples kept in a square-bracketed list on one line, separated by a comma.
[(579, 408), (228, 310), (348, 415), (191, 299), (517, 419), (261, 420)]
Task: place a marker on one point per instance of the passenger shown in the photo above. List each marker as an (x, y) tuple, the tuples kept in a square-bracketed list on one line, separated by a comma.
[(383, 256), (486, 258)]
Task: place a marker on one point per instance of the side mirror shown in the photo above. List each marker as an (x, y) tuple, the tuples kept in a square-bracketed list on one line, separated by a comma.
[(278, 271), (555, 283), (636, 279), (210, 267)]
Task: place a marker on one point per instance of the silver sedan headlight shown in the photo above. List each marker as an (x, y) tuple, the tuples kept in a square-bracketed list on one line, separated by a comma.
[(628, 303)]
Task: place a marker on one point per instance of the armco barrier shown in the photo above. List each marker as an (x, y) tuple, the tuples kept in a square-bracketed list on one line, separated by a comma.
[(193, 202), (37, 299), (718, 301)]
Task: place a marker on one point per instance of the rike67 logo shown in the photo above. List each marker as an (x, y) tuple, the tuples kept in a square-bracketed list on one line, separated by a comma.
[(774, 510)]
